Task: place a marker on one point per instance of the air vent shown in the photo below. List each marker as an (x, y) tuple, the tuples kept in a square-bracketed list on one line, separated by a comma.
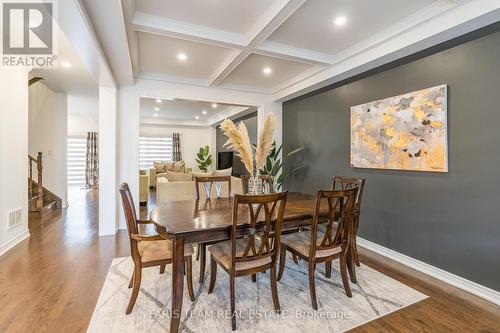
[(15, 217)]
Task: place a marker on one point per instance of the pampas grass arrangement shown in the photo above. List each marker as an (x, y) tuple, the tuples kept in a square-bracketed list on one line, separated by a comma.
[(239, 141)]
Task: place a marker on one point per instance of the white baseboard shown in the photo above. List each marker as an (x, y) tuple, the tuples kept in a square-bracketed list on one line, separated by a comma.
[(12, 243), (474, 288)]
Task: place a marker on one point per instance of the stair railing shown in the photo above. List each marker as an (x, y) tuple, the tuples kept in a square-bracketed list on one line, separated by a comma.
[(39, 167)]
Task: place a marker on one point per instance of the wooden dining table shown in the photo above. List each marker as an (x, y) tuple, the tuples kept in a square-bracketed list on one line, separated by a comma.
[(209, 220)]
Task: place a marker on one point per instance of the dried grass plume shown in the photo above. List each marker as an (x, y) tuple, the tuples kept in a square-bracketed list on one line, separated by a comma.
[(265, 143), (239, 141)]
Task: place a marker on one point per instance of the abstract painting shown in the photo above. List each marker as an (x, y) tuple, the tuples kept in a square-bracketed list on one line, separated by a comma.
[(406, 132)]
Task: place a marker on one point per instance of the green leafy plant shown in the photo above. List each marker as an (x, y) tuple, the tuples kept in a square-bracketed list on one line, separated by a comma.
[(204, 159), (274, 166)]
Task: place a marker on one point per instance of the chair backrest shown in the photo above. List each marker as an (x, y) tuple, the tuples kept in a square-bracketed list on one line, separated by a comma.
[(341, 208), (207, 183), (263, 215), (345, 183), (130, 216), (267, 183)]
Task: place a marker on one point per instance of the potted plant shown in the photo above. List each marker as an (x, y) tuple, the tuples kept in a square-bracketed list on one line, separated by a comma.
[(274, 166), (204, 159)]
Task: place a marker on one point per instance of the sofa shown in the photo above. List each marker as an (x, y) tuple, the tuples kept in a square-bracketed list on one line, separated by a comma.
[(160, 168), (143, 187), (167, 191)]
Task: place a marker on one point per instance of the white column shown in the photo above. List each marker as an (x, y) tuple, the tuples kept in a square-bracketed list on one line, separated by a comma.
[(107, 162), (13, 155)]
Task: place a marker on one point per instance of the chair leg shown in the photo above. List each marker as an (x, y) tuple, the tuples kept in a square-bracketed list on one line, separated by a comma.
[(295, 258), (282, 262), (135, 291), (312, 287), (328, 269), (162, 269), (232, 296), (189, 266), (350, 266), (213, 274), (254, 277), (203, 257), (131, 283), (355, 252), (274, 289), (198, 252), (343, 273)]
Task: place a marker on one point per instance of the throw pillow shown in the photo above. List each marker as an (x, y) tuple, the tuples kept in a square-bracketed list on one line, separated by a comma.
[(179, 166), (223, 172), (159, 166), (173, 176), (201, 174)]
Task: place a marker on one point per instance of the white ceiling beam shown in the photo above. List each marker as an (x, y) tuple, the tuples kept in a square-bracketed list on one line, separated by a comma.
[(232, 112), (133, 44), (292, 53), (264, 27), (196, 33)]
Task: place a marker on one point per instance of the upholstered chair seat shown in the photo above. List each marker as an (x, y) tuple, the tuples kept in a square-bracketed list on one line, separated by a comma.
[(159, 250), (301, 242), (222, 253)]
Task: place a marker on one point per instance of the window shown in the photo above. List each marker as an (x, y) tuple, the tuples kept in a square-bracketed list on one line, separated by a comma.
[(154, 148), (77, 149)]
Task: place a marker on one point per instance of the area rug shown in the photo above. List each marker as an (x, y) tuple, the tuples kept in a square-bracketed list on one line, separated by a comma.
[(374, 295)]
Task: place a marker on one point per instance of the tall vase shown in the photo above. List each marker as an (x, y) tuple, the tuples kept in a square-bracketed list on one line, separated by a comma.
[(255, 186)]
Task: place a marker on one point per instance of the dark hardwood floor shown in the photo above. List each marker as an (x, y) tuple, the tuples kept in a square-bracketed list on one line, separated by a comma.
[(51, 282)]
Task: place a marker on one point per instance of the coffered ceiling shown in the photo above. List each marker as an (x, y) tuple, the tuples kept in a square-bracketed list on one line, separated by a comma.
[(260, 45)]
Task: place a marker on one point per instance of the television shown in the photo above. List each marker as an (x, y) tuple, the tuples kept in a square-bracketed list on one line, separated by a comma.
[(224, 160)]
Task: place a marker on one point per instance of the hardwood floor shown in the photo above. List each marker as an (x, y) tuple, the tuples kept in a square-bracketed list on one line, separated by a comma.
[(51, 282)]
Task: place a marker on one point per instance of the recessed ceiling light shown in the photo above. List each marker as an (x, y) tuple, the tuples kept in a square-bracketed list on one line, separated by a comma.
[(182, 56), (158, 100), (214, 105), (66, 64), (155, 114), (168, 99), (340, 20), (197, 117), (267, 70), (204, 111), (157, 109)]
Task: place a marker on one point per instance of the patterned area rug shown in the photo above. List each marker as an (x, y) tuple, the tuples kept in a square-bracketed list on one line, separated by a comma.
[(375, 295)]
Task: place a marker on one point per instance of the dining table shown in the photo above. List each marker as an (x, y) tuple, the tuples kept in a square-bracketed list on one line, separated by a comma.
[(210, 220)]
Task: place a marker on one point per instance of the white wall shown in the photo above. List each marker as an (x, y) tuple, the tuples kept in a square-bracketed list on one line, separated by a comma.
[(192, 138), (128, 118), (13, 154), (48, 134), (83, 114)]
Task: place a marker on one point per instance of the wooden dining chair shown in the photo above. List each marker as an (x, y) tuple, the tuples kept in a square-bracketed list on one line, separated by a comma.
[(267, 183), (261, 216), (207, 183), (148, 250), (344, 183), (317, 247)]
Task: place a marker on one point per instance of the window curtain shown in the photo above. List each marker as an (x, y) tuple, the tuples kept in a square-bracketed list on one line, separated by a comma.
[(176, 147), (92, 161)]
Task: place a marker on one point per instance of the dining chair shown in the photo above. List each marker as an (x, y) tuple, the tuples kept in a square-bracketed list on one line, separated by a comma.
[(345, 183), (207, 183), (148, 250), (267, 183), (318, 247), (261, 216)]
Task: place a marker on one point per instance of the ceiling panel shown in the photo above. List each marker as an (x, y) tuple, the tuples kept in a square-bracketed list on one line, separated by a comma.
[(250, 72), (312, 26), (158, 54), (181, 110), (236, 16)]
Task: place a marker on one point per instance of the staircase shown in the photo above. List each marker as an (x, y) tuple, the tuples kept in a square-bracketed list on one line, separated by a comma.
[(41, 201)]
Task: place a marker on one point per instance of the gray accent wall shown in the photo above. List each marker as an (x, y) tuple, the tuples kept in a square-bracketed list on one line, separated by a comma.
[(250, 122), (448, 220)]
